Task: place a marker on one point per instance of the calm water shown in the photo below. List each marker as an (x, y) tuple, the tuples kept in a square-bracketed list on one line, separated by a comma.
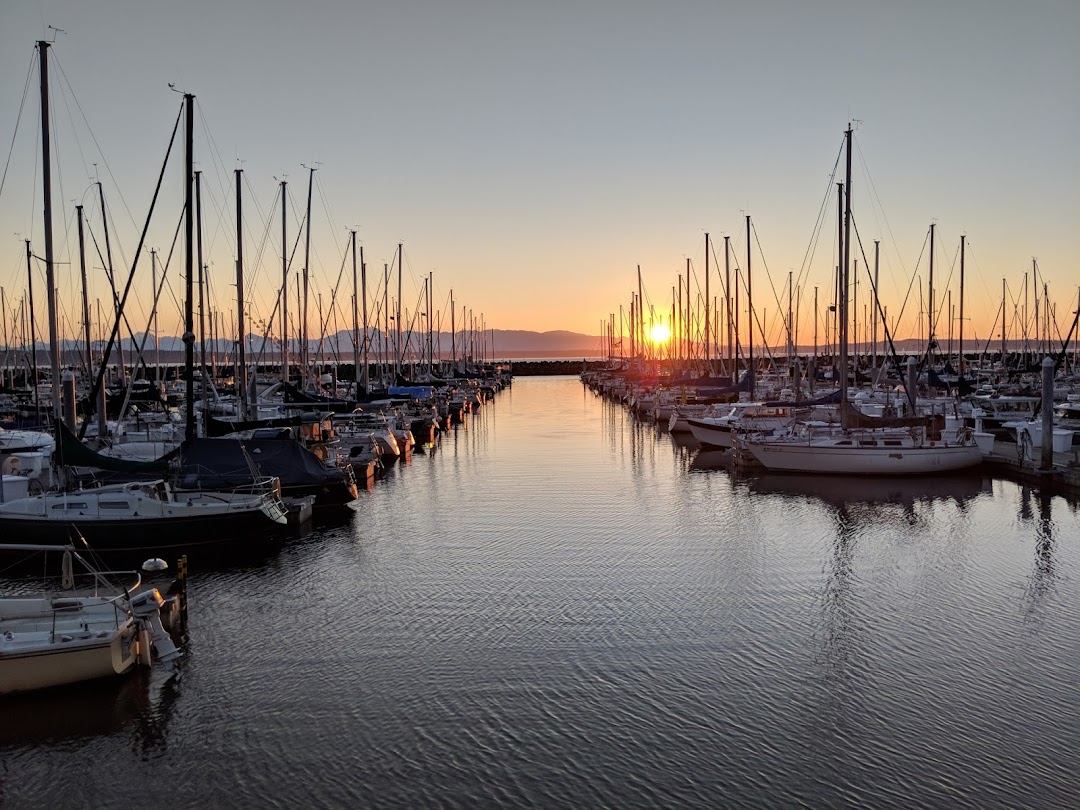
[(561, 607)]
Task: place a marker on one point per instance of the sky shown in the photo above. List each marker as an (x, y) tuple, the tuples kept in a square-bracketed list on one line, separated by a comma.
[(532, 155)]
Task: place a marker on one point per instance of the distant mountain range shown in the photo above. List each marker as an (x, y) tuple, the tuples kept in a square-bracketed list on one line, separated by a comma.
[(503, 343), (508, 344)]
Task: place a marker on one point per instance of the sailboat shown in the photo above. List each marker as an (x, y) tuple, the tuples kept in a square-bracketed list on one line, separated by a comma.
[(139, 515), (864, 445), (75, 634)]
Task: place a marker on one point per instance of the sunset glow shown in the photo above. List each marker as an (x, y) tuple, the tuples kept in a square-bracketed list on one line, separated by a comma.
[(659, 333)]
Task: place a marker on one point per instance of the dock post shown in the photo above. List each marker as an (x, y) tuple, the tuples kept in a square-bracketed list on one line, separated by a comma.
[(181, 578), (912, 384), (1046, 458)]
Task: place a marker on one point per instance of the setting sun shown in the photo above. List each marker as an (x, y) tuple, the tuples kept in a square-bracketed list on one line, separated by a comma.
[(659, 333)]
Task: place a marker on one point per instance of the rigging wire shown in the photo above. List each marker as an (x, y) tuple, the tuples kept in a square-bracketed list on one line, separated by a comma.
[(93, 137), (131, 276), (18, 119)]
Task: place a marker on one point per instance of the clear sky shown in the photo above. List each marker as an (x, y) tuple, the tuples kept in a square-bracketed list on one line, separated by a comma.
[(533, 154)]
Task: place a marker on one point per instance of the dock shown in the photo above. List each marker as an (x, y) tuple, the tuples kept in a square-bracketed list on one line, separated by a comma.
[(1008, 461)]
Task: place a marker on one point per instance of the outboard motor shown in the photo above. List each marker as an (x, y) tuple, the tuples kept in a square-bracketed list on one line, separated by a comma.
[(146, 607)]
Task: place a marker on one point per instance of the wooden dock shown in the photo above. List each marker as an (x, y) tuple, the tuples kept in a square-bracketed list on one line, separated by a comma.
[(1062, 478)]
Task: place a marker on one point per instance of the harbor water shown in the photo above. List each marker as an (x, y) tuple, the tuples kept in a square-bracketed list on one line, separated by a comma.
[(558, 606)]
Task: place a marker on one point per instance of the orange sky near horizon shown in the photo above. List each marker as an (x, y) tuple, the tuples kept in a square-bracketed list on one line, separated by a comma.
[(530, 159)]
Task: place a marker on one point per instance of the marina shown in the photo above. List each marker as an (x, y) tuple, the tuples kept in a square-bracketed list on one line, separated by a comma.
[(655, 628), (496, 423)]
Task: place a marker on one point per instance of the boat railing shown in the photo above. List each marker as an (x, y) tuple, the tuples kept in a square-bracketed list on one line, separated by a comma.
[(64, 606), (263, 485)]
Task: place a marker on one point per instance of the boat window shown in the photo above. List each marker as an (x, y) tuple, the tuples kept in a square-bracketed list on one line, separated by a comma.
[(844, 443), (70, 505), (867, 443), (893, 443), (113, 505)]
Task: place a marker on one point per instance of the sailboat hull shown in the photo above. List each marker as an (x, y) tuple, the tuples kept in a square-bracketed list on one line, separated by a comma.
[(150, 534), (809, 458)]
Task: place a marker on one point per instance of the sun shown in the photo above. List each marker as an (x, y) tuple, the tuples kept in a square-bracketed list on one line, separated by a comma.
[(659, 333)]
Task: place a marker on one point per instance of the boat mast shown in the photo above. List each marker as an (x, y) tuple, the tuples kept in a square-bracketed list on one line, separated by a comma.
[(845, 252), (355, 317), (386, 322), (204, 376), (304, 356), (873, 350), (153, 298), (641, 316), (790, 323), (750, 310), (284, 287), (363, 298), (189, 258), (33, 332), (708, 344), (727, 307), (85, 298), (7, 353), (813, 375), (397, 319), (120, 365), (50, 270), (241, 336), (1003, 324), (930, 302), (960, 353), (204, 383)]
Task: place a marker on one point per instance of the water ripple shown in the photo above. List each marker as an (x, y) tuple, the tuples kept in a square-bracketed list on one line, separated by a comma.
[(559, 607)]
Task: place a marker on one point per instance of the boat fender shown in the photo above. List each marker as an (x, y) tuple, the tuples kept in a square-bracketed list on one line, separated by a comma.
[(932, 443)]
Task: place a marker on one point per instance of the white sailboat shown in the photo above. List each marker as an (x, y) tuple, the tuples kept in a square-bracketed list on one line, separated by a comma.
[(864, 445), (69, 635)]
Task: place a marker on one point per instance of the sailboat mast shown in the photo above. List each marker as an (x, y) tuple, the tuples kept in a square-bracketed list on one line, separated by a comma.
[(640, 312), (363, 296), (727, 298), (845, 249), (304, 357), (120, 365), (85, 298), (930, 299), (284, 286), (33, 331), (1003, 323), (241, 336), (750, 310), (960, 353), (430, 340), (203, 297), (874, 307), (50, 270), (708, 298), (355, 317), (7, 345), (397, 320), (189, 259), (153, 298), (813, 376)]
